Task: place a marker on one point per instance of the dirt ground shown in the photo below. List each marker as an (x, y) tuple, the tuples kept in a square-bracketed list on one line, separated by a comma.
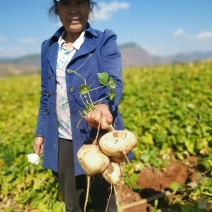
[(155, 182)]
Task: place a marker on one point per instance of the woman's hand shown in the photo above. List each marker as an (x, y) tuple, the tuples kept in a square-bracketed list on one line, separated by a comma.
[(38, 145), (100, 114)]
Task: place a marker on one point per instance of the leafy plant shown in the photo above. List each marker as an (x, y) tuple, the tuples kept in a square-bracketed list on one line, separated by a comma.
[(167, 107), (106, 81)]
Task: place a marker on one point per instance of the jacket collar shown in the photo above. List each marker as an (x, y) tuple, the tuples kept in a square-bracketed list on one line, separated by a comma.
[(88, 30), (87, 47)]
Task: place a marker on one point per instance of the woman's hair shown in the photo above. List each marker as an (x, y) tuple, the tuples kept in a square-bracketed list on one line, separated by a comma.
[(53, 10)]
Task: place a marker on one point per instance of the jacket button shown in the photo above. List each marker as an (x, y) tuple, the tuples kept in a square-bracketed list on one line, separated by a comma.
[(72, 89), (49, 75), (47, 112), (48, 94)]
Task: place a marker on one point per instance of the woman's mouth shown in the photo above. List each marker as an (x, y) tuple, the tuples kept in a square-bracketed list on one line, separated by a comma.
[(74, 20)]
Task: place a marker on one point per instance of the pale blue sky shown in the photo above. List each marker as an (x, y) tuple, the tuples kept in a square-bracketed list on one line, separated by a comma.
[(162, 27)]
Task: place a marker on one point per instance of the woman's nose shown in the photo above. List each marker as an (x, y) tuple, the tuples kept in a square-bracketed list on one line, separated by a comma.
[(73, 9)]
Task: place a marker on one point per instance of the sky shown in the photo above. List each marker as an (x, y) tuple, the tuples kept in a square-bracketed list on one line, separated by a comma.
[(161, 27)]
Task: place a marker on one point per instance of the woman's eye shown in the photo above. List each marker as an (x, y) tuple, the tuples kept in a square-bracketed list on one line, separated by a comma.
[(63, 2), (80, 2)]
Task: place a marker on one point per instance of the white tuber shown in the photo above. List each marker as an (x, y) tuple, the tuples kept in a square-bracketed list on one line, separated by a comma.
[(117, 142), (113, 173), (92, 160)]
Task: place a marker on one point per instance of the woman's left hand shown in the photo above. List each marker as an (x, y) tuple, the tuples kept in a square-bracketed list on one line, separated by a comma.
[(101, 114)]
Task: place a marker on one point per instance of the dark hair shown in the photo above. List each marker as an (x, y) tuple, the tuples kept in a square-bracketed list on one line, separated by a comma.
[(53, 10)]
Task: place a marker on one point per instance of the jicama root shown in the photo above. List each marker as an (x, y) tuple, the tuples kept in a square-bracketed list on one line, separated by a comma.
[(120, 159), (117, 142), (93, 161), (112, 174)]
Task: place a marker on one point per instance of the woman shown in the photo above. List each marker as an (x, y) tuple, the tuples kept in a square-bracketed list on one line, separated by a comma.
[(77, 47)]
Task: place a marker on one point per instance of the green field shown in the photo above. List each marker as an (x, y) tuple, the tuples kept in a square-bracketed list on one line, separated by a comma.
[(169, 108)]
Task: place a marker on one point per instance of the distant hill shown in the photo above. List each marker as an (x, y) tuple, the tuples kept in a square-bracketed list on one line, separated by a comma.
[(132, 55), (33, 60), (9, 69)]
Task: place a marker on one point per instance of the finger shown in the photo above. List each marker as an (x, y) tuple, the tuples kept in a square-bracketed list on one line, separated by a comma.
[(88, 118), (104, 111), (41, 149), (93, 118), (109, 118), (36, 149), (104, 123), (97, 116)]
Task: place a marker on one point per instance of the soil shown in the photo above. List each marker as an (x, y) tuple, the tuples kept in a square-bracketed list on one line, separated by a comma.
[(155, 182)]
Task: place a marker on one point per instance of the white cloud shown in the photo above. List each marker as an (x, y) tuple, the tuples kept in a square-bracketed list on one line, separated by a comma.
[(178, 32), (18, 51), (11, 52), (28, 40), (204, 35), (2, 38), (105, 11)]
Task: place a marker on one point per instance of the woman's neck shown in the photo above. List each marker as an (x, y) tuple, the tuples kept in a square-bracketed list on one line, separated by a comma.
[(70, 38)]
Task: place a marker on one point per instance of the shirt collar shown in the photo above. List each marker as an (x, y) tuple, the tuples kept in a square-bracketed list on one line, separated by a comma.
[(88, 29), (76, 45)]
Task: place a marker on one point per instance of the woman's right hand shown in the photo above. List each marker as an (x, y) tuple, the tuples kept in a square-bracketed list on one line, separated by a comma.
[(38, 145)]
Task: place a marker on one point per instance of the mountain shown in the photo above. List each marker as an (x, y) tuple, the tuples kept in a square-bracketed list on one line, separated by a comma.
[(132, 55), (24, 65), (33, 60)]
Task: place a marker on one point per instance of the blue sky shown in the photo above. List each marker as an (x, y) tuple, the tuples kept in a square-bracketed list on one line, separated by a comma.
[(162, 27)]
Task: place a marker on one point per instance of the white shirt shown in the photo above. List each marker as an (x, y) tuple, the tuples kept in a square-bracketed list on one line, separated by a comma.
[(63, 111)]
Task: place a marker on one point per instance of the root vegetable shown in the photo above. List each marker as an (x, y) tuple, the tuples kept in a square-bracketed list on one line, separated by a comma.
[(92, 160), (118, 159), (113, 173), (117, 142)]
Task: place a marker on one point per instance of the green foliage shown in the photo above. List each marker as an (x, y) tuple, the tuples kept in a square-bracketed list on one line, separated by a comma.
[(195, 198), (23, 186), (105, 81), (175, 186), (130, 177), (167, 107)]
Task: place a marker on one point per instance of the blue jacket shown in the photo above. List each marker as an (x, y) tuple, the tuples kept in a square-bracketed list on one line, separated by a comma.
[(99, 53)]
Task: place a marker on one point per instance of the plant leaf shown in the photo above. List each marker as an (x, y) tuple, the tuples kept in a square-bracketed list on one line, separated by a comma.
[(85, 111), (112, 83), (145, 157), (83, 89), (112, 94), (175, 186), (103, 78)]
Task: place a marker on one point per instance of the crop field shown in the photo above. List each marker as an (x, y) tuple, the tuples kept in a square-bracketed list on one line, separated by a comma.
[(168, 108)]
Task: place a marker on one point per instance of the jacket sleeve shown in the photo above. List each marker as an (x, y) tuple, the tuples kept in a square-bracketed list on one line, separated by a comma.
[(111, 63), (41, 121)]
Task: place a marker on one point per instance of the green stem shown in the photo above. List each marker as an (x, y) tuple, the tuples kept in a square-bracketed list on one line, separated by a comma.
[(97, 88), (80, 76), (99, 100), (90, 99)]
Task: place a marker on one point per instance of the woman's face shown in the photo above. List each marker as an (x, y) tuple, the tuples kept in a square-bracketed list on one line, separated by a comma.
[(73, 14)]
